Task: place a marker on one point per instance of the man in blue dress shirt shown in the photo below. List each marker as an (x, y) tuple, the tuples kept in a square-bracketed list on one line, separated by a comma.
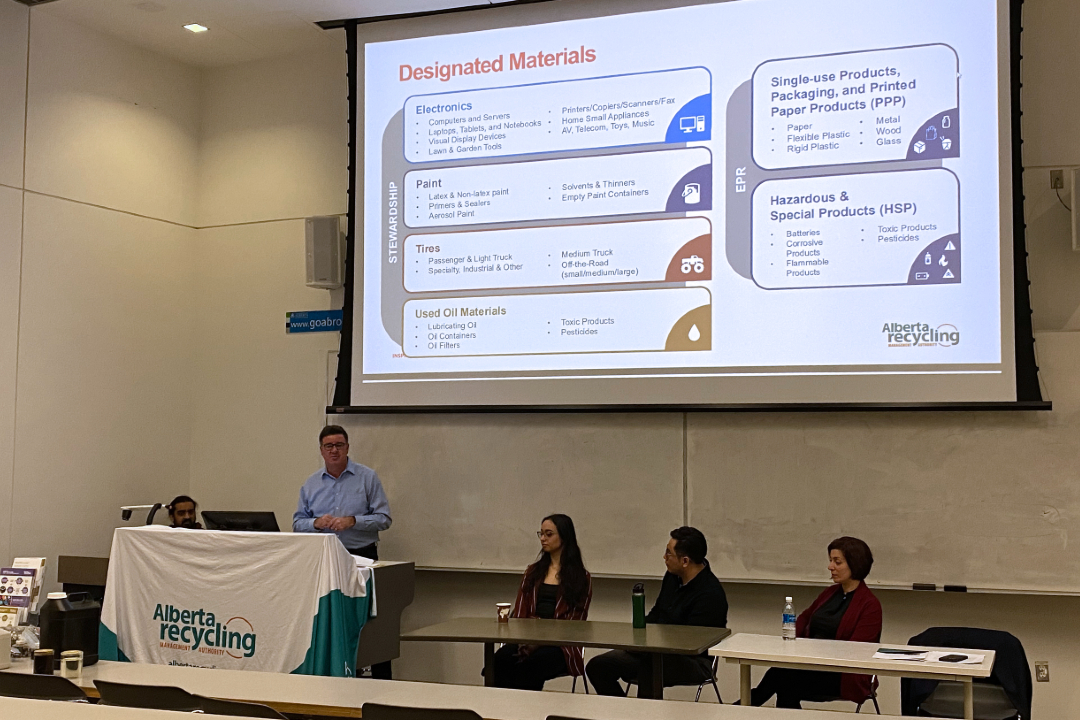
[(344, 498)]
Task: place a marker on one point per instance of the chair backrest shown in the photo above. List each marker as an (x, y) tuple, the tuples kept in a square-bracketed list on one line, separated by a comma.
[(377, 711), (212, 706), (151, 697), (39, 687), (1011, 670)]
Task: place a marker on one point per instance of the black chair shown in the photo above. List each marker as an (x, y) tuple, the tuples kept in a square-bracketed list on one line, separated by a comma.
[(858, 706), (233, 708), (1005, 695), (40, 687), (150, 697), (573, 687), (377, 711), (711, 680)]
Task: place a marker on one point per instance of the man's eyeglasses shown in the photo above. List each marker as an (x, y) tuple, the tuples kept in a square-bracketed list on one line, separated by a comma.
[(333, 446)]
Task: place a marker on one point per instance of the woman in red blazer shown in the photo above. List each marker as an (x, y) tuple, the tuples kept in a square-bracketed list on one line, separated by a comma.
[(846, 611), (556, 586)]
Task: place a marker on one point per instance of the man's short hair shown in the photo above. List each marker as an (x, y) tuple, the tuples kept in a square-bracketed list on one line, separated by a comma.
[(690, 542), (181, 499), (856, 554), (333, 430)]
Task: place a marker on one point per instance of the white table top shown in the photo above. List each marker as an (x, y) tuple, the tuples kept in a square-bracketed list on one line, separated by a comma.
[(350, 693), (17, 709), (774, 650)]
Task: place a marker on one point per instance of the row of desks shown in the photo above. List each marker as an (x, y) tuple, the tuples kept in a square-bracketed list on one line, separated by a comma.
[(344, 696)]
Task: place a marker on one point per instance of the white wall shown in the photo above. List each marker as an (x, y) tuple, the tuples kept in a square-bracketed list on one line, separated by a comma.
[(14, 27), (96, 275), (274, 150), (267, 376), (152, 356), (272, 144)]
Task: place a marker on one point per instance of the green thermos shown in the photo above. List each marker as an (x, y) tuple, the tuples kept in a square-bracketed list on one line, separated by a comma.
[(639, 605)]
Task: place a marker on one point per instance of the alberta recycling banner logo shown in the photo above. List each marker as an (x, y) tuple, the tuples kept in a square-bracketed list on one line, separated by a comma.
[(199, 630), (920, 335)]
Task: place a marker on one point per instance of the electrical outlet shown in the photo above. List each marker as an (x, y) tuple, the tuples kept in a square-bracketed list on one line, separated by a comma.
[(1042, 671), (1057, 179)]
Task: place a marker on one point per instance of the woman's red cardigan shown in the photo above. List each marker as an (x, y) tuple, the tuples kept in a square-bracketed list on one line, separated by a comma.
[(861, 623)]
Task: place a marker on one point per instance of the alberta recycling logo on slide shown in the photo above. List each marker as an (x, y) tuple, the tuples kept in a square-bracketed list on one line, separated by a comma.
[(920, 335), (199, 630)]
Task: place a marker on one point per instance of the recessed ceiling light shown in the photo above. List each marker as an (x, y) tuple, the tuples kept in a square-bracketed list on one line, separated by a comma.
[(196, 28)]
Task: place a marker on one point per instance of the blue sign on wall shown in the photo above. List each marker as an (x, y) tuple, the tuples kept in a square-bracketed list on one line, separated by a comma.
[(313, 321)]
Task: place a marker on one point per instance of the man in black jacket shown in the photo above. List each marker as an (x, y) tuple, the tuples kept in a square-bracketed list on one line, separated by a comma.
[(689, 595)]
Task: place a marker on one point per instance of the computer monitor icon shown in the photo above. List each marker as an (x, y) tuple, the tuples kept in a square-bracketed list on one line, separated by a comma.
[(692, 123)]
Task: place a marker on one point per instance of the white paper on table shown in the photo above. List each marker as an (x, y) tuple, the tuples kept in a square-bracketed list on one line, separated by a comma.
[(971, 659), (912, 657), (362, 561)]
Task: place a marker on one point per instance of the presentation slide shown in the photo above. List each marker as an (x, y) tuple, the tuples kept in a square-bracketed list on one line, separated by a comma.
[(748, 202)]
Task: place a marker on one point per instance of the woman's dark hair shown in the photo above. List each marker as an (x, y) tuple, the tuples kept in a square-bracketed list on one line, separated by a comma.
[(180, 499), (856, 554), (573, 580)]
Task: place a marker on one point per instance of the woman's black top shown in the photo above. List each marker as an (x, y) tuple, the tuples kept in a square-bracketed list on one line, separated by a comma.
[(826, 621), (547, 596)]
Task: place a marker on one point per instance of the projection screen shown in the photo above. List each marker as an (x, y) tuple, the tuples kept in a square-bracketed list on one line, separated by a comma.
[(751, 203)]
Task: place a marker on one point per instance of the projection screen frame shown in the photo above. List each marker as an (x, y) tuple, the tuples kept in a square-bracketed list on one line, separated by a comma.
[(1028, 390)]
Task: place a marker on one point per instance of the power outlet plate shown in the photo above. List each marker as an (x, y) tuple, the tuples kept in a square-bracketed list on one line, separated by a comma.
[(1042, 671), (1057, 179)]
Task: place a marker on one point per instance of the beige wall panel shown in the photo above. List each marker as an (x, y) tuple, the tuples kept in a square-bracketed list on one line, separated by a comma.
[(1053, 266), (469, 491), (260, 394), (110, 124), (10, 242), (105, 358), (1051, 73), (275, 139), (978, 499), (14, 26)]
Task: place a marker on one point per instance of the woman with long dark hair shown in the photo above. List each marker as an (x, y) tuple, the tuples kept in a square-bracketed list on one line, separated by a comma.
[(557, 586)]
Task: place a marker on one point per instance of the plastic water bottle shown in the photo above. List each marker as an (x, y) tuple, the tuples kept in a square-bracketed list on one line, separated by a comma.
[(789, 620)]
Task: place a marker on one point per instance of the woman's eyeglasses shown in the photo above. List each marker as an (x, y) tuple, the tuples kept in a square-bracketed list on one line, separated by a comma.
[(545, 534)]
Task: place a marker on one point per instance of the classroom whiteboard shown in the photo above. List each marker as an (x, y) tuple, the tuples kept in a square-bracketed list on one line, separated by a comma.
[(988, 500), (469, 491)]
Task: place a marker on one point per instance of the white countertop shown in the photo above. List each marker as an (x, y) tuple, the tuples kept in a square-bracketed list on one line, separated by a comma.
[(774, 650), (350, 693)]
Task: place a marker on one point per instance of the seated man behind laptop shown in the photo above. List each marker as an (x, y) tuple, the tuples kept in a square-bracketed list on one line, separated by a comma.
[(689, 595), (182, 513)]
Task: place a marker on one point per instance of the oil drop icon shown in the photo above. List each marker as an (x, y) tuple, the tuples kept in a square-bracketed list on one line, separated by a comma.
[(694, 334)]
